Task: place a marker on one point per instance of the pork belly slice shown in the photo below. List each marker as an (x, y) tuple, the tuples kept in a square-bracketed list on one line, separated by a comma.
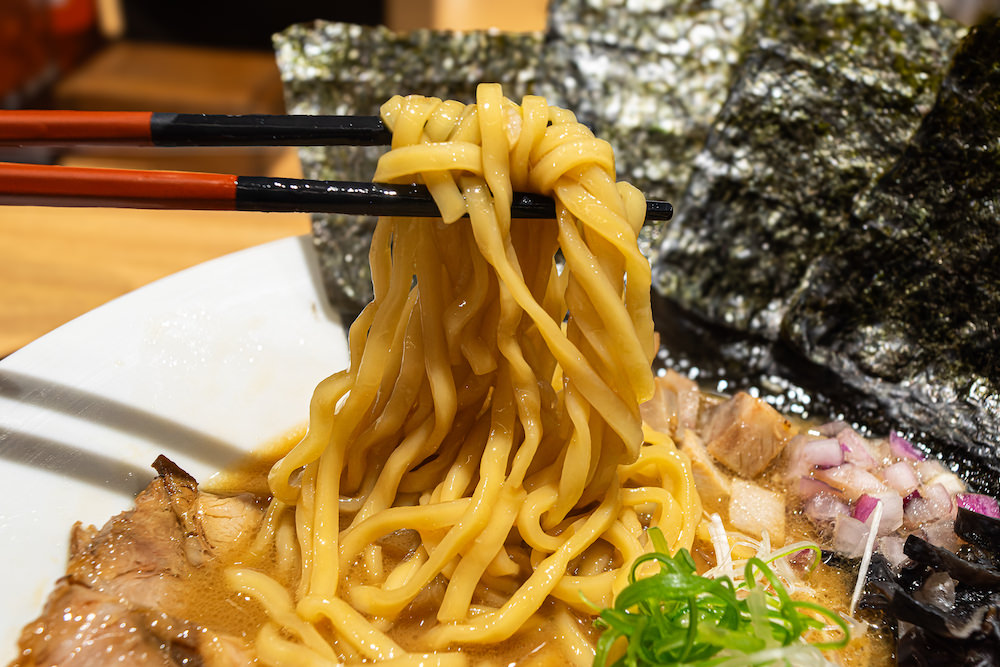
[(745, 434), (714, 486), (82, 626), (126, 596), (674, 405)]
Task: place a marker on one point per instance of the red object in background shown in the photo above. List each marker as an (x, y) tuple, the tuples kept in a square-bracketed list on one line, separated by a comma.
[(39, 39), (73, 26), (26, 64), (71, 17)]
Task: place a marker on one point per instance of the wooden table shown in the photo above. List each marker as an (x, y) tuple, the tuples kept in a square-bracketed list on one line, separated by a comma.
[(58, 263)]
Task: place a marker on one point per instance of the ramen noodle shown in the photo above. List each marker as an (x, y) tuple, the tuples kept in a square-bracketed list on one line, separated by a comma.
[(483, 456)]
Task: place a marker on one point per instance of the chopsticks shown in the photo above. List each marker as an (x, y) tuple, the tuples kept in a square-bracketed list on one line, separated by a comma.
[(49, 185), (46, 185), (145, 128)]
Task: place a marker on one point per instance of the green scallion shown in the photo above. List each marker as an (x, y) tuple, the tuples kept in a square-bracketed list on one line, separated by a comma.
[(678, 617)]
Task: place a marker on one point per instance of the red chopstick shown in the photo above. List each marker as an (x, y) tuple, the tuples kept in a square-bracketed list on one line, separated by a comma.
[(48, 185), (77, 186), (144, 128)]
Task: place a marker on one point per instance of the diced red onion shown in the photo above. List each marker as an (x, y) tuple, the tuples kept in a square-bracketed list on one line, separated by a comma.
[(809, 487), (830, 429), (864, 506), (824, 508), (901, 477), (929, 469), (979, 503), (940, 498), (824, 453), (849, 536), (912, 496), (855, 449), (892, 513), (933, 504), (891, 546), (901, 447), (932, 471), (941, 534), (951, 482), (852, 480), (806, 452), (918, 512), (892, 510), (797, 466)]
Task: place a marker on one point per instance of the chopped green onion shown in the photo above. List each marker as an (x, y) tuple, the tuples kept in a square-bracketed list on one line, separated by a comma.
[(678, 617)]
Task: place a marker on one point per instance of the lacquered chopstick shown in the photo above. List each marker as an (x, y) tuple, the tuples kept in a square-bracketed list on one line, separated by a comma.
[(48, 185), (144, 128)]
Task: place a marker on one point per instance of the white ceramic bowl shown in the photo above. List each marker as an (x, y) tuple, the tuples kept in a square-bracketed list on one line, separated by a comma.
[(201, 366)]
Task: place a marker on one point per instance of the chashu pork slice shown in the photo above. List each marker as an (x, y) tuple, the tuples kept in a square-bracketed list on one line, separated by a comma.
[(745, 434), (126, 597), (674, 405), (713, 484)]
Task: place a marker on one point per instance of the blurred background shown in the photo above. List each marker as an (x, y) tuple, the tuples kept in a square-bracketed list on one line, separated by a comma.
[(193, 56)]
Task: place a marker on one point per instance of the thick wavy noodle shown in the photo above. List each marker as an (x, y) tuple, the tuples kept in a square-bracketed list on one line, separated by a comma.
[(483, 457)]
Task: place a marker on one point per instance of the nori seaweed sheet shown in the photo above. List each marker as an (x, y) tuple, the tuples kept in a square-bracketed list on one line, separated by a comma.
[(822, 103), (907, 309), (649, 77), (892, 312)]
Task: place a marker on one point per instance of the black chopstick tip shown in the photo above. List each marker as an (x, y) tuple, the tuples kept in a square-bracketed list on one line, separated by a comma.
[(659, 210)]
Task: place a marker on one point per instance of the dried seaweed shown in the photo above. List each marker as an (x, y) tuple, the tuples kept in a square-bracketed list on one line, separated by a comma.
[(649, 77), (820, 106), (908, 307)]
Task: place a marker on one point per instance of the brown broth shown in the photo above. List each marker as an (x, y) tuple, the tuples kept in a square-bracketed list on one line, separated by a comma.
[(214, 605), (539, 643)]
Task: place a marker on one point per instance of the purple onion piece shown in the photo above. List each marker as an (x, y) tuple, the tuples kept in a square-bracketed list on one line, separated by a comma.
[(864, 507), (852, 480), (902, 448), (934, 504), (809, 487), (824, 453), (938, 495), (856, 449), (902, 477), (849, 536), (976, 502), (824, 508)]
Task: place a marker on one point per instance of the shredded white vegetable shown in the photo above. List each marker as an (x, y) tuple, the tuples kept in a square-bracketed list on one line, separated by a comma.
[(724, 542), (800, 655), (723, 552), (874, 520)]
